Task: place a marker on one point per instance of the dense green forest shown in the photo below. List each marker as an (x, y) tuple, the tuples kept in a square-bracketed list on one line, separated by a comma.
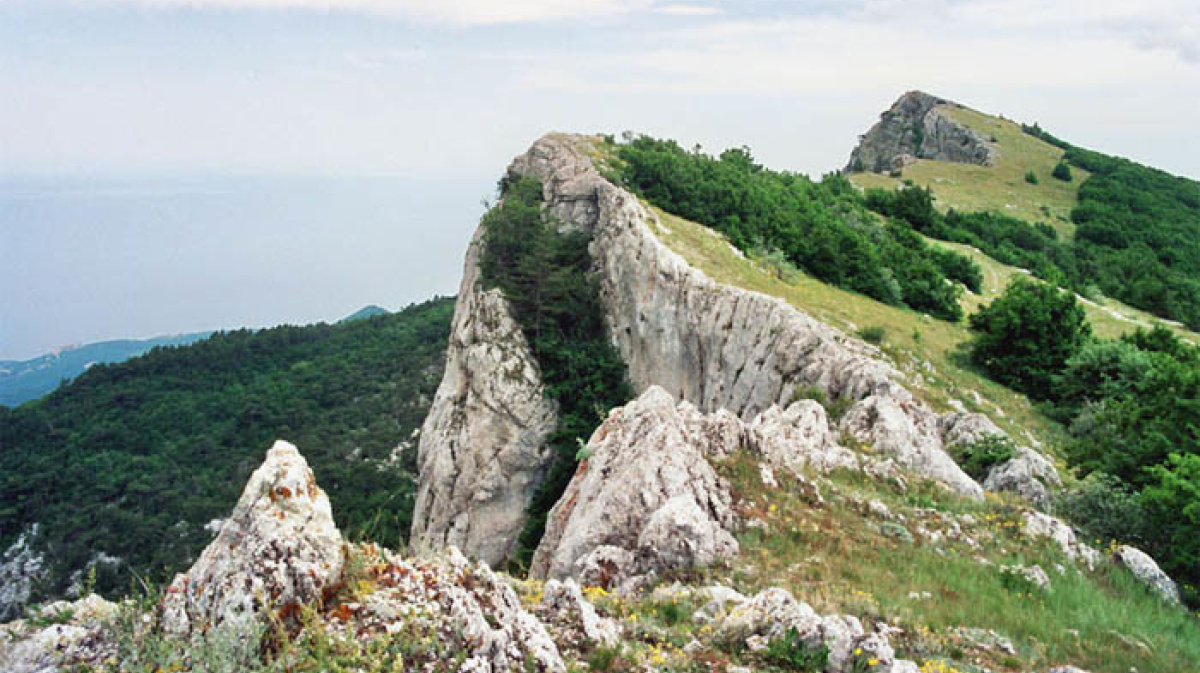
[(1132, 409), (545, 275), (821, 227), (133, 459)]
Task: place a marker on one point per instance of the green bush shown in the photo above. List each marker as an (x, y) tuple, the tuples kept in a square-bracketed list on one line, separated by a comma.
[(791, 653), (1104, 508), (1174, 504), (977, 458), (1026, 336), (1031, 177), (1061, 172), (873, 334)]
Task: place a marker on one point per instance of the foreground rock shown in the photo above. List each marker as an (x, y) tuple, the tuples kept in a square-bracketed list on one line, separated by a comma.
[(1028, 474), (1145, 569), (77, 639), (645, 501), (279, 549), (917, 127), (454, 607), (1036, 525)]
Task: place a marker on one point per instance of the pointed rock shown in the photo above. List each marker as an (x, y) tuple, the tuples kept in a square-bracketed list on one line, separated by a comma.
[(279, 548)]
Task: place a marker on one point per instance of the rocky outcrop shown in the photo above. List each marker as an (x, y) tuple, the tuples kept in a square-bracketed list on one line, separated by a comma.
[(279, 549), (718, 347), (773, 613), (453, 607), (75, 641), (1147, 571), (21, 566), (645, 501), (917, 127), (482, 451)]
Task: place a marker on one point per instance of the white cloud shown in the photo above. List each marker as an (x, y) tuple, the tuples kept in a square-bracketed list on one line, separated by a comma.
[(468, 12)]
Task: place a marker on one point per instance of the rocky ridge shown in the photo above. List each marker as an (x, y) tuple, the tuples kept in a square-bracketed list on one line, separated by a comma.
[(917, 127), (715, 346)]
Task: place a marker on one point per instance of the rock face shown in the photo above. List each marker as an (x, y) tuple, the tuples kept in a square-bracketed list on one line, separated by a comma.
[(482, 450), (279, 546), (917, 127), (20, 566), (1145, 569), (718, 347), (645, 501), (76, 642)]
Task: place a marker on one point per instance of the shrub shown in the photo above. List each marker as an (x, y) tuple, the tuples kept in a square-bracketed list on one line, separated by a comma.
[(873, 334), (1061, 172), (978, 458), (1026, 336), (1174, 506), (1031, 177), (792, 653), (1104, 508)]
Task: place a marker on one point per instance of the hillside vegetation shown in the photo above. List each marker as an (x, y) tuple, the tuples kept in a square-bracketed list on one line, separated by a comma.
[(132, 460)]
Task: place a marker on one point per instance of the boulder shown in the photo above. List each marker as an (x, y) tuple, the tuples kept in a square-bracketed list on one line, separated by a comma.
[(279, 549), (21, 566), (1036, 525), (645, 501), (1145, 569), (799, 436), (1028, 473), (563, 602)]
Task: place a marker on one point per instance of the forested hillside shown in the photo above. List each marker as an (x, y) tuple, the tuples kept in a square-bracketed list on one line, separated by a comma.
[(132, 460)]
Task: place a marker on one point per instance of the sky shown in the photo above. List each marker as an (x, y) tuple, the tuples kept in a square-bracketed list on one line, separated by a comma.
[(435, 97)]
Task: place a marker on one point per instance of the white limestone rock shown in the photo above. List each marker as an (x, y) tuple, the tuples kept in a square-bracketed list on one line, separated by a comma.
[(1145, 569), (279, 548), (482, 450), (800, 436), (646, 499), (77, 641)]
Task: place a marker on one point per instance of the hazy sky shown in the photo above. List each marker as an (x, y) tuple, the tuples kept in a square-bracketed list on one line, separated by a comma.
[(450, 90)]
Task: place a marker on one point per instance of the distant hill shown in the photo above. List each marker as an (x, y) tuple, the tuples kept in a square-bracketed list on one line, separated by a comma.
[(1099, 224), (24, 380), (132, 460), (365, 312)]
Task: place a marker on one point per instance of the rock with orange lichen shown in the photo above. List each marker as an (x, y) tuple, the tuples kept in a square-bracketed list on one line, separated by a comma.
[(279, 549)]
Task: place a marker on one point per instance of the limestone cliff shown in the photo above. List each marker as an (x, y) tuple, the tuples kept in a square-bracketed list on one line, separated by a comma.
[(917, 127), (712, 345)]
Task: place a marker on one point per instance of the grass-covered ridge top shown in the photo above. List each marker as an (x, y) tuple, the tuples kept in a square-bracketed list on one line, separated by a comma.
[(132, 460), (822, 228), (545, 276)]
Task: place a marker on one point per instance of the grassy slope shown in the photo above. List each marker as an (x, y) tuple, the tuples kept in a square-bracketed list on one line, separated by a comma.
[(1002, 187)]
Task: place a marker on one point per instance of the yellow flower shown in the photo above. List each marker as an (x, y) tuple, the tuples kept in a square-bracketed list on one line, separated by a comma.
[(857, 651), (872, 662)]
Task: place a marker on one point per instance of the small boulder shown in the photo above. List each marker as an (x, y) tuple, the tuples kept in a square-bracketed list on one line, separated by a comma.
[(564, 603), (278, 549), (76, 641), (799, 436), (1145, 569), (1028, 473)]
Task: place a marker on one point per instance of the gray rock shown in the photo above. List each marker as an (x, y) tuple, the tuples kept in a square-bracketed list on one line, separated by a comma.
[(798, 437), (1028, 473), (1145, 569), (646, 489), (917, 126), (565, 604), (1031, 574), (1066, 669), (482, 451), (280, 547), (1036, 525)]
